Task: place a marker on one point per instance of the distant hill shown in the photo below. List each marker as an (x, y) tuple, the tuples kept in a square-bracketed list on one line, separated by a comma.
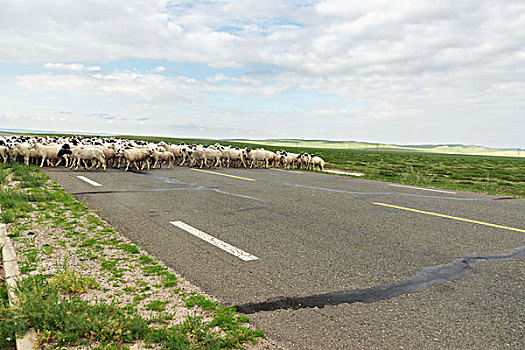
[(446, 148)]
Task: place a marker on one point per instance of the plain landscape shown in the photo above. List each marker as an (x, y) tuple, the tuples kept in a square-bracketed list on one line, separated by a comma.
[(68, 254)]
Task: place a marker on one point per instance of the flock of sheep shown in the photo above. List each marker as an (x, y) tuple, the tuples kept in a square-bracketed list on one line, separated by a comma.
[(99, 152)]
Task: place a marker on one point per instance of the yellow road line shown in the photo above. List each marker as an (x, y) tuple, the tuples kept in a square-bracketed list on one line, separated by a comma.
[(212, 172), (449, 217)]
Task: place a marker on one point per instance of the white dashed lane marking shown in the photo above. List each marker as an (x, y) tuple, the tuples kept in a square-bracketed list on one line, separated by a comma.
[(215, 241), (89, 181), (423, 189)]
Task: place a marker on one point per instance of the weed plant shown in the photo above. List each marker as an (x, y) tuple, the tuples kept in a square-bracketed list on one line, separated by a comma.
[(70, 281)]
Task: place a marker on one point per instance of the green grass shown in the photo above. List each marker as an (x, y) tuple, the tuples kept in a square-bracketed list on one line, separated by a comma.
[(504, 176), (70, 281), (130, 248), (424, 165), (169, 280), (42, 306), (7, 336), (414, 165), (157, 305)]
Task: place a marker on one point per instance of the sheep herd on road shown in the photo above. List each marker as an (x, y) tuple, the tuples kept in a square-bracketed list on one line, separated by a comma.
[(77, 151)]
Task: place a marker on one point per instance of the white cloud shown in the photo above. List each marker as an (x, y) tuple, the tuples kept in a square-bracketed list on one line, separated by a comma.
[(72, 67), (406, 62)]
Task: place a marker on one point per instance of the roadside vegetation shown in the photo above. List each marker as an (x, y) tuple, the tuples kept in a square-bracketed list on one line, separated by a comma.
[(86, 286)]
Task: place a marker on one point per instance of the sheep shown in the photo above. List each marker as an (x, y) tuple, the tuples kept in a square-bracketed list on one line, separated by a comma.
[(161, 156), (289, 159), (230, 154), (110, 153), (142, 154), (14, 153), (49, 153), (93, 154), (135, 155), (258, 155), (317, 162), (179, 151), (306, 159), (26, 150), (202, 154), (214, 155), (4, 152)]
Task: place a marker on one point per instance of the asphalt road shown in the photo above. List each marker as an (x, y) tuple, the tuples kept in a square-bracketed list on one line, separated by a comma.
[(336, 261)]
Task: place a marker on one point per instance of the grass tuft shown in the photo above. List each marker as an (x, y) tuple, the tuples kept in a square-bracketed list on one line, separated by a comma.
[(69, 281)]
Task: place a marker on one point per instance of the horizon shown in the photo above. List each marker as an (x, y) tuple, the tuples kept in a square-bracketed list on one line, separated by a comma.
[(53, 132), (392, 72)]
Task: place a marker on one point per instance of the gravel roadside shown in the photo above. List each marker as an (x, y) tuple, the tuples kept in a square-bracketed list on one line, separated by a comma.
[(59, 238)]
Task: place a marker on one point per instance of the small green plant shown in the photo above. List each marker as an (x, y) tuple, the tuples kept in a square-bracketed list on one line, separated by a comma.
[(30, 261), (154, 269), (89, 242), (157, 305), (416, 177), (200, 300), (169, 280), (8, 216), (70, 281), (129, 248), (67, 321), (145, 260)]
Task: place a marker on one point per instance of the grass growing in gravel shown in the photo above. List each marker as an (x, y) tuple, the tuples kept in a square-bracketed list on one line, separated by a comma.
[(68, 280), (140, 297)]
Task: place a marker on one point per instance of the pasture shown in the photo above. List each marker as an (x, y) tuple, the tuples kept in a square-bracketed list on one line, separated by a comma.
[(502, 176), (496, 175)]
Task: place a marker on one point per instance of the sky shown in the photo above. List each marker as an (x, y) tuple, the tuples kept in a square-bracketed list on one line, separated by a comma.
[(401, 72)]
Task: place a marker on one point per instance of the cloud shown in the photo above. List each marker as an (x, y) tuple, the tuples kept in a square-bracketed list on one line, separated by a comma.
[(401, 63), (72, 67)]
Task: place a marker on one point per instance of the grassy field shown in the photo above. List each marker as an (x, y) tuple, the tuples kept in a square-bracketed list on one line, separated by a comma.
[(503, 176), (417, 165)]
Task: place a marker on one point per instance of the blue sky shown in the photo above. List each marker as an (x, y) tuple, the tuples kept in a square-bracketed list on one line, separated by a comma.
[(376, 71)]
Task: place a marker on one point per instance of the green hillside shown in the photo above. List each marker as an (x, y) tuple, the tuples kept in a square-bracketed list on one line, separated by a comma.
[(446, 149)]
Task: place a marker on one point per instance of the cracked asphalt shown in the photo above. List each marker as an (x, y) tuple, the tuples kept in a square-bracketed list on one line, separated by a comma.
[(317, 234)]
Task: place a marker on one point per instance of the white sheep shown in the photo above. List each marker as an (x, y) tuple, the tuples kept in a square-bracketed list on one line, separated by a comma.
[(27, 151), (163, 156), (235, 155), (317, 162), (259, 155), (93, 154), (4, 152), (135, 155), (288, 159), (49, 153), (179, 151), (203, 154)]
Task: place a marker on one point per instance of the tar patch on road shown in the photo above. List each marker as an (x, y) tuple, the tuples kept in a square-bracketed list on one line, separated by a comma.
[(428, 277)]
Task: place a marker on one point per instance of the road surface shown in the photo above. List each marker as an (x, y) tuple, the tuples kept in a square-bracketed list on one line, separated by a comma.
[(324, 261)]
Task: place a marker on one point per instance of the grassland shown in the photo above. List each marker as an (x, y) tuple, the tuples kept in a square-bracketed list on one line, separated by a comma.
[(352, 145), (502, 176), (455, 167)]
